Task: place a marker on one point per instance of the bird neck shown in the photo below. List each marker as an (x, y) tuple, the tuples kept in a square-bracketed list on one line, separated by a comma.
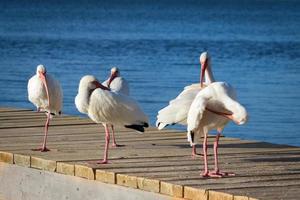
[(209, 77), (111, 78)]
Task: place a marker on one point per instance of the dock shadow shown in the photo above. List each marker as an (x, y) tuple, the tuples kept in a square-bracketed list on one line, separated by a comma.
[(249, 145), (276, 159)]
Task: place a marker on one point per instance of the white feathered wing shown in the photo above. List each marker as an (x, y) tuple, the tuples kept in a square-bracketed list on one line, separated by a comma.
[(218, 96), (177, 110), (115, 108)]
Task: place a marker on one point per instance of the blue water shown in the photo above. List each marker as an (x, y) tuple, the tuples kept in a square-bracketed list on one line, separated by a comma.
[(255, 46)]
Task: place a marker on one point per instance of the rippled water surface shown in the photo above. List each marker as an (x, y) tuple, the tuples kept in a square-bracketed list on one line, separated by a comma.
[(255, 46)]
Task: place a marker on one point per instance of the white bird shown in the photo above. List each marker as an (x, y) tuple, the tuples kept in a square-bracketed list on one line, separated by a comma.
[(117, 84), (177, 110), (46, 94), (213, 107), (108, 107)]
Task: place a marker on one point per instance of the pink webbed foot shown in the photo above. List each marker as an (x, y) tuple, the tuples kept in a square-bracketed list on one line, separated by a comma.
[(41, 149), (221, 174), (115, 145), (195, 155), (216, 174), (205, 174), (102, 162), (210, 175)]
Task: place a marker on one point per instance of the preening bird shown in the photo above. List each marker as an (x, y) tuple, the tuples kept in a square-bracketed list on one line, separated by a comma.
[(46, 94), (182, 110), (177, 110), (108, 107), (213, 107), (117, 84)]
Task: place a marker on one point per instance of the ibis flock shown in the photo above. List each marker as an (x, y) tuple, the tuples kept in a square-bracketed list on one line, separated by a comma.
[(201, 107)]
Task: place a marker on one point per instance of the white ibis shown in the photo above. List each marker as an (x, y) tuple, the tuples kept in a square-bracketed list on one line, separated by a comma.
[(213, 107), (117, 84), (46, 94), (108, 107), (177, 110)]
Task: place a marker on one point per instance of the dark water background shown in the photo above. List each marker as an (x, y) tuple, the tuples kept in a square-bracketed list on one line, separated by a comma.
[(255, 46)]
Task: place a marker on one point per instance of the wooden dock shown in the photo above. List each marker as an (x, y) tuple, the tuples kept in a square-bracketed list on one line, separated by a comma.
[(156, 161)]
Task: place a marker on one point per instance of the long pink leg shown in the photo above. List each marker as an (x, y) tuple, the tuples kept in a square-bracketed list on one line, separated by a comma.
[(44, 148), (216, 172), (216, 146), (205, 173), (113, 136), (194, 152), (107, 137)]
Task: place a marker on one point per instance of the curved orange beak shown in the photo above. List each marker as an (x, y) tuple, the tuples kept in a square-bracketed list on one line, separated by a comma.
[(112, 77), (226, 115), (43, 79), (231, 118), (99, 85), (203, 68)]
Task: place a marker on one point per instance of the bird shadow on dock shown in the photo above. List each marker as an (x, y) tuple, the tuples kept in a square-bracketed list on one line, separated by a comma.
[(238, 145), (255, 145), (275, 159)]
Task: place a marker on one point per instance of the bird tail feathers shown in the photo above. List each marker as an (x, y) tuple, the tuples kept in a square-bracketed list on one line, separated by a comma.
[(138, 127)]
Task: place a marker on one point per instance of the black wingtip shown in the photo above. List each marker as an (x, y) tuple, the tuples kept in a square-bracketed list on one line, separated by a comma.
[(192, 136), (139, 128), (146, 125), (158, 124)]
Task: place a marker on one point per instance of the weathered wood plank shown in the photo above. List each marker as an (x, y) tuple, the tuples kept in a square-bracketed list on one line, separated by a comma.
[(157, 161)]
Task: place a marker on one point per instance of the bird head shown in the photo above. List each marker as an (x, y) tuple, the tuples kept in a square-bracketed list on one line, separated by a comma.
[(114, 72), (90, 83), (204, 62), (41, 69), (41, 73), (240, 116)]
